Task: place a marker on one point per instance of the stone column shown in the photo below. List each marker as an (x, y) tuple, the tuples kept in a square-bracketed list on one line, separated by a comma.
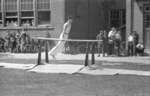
[(35, 12), (129, 18), (18, 12), (3, 12)]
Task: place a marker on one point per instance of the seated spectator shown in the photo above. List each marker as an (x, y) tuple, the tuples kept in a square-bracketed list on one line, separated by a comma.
[(139, 49)]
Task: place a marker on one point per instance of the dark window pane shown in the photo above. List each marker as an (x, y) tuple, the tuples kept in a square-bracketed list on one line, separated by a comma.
[(11, 14), (27, 14), (117, 17), (44, 17)]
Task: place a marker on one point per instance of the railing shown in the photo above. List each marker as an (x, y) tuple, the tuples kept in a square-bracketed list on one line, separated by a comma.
[(90, 44)]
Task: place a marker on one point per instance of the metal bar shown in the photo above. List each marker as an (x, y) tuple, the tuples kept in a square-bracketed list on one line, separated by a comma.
[(46, 52), (87, 55), (39, 53), (93, 56), (57, 39)]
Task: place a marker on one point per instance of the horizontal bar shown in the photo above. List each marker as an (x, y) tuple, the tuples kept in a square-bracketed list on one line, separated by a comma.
[(72, 40)]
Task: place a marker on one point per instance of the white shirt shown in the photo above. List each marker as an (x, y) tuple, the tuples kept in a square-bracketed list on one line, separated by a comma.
[(130, 38), (111, 33)]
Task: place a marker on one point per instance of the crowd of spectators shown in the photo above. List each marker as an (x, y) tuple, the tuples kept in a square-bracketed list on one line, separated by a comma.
[(111, 44), (18, 42)]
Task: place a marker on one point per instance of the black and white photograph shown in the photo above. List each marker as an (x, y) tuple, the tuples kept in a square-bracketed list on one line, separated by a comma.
[(74, 47)]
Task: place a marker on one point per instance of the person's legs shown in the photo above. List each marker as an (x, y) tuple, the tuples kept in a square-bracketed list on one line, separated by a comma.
[(132, 49), (57, 49), (98, 49), (129, 49), (102, 49)]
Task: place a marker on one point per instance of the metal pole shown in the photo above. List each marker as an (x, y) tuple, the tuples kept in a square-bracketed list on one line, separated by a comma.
[(39, 53), (87, 55), (46, 52), (93, 56)]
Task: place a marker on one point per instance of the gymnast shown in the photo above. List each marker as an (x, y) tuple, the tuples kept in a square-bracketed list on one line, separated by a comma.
[(58, 48)]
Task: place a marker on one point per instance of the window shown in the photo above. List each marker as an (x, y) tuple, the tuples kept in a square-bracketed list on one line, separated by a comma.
[(117, 17), (43, 17), (43, 4), (27, 18), (11, 13), (11, 5), (147, 16), (26, 5), (27, 13), (43, 7)]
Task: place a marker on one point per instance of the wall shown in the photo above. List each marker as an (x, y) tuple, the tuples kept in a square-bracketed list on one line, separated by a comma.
[(90, 16), (57, 16), (138, 19)]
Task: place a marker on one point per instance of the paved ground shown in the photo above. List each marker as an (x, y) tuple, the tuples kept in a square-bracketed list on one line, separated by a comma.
[(21, 83), (15, 82), (32, 58)]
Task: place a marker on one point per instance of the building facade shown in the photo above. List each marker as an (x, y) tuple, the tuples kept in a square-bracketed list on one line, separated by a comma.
[(89, 16), (138, 19), (30, 15)]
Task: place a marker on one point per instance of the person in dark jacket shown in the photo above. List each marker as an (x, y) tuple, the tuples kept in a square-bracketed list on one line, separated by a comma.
[(136, 41)]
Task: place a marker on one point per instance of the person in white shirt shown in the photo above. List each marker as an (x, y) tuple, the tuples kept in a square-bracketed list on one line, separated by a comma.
[(130, 44), (64, 35), (111, 38)]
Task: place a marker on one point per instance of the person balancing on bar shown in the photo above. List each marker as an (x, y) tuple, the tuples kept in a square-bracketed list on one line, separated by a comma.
[(58, 48)]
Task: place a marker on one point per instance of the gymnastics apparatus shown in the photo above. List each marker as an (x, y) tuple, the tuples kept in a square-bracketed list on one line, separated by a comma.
[(63, 38)]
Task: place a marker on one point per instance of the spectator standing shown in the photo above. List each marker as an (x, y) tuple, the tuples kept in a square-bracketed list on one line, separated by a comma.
[(105, 42), (111, 38), (2, 42), (130, 44), (117, 42), (18, 35), (12, 42), (136, 41), (7, 41), (100, 43), (22, 40)]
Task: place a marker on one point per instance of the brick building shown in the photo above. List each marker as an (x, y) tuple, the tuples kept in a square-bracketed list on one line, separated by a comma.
[(90, 16)]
